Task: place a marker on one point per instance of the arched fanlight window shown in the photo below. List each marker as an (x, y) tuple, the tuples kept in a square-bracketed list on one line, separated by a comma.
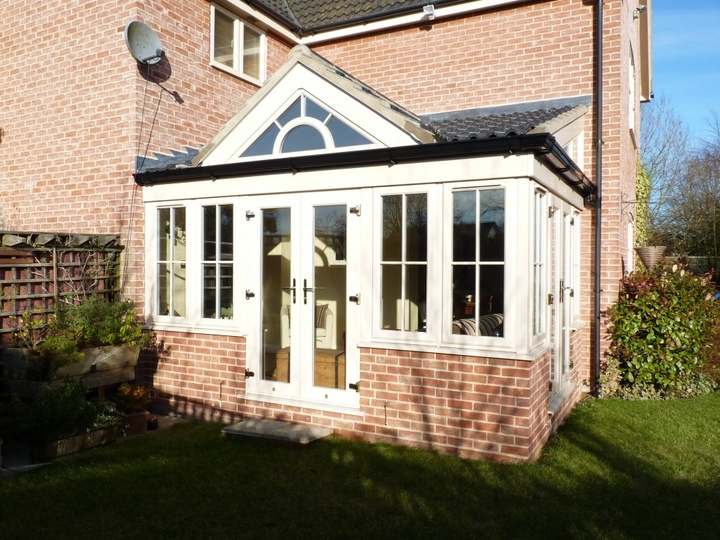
[(305, 126)]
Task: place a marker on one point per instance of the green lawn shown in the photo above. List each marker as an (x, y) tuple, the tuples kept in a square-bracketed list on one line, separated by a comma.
[(616, 470)]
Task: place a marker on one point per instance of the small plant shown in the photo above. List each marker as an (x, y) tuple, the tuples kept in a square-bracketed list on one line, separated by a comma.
[(131, 398), (662, 330), (29, 331), (58, 413)]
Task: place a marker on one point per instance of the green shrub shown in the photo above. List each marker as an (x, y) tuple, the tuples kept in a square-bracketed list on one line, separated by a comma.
[(96, 322), (662, 330), (58, 413)]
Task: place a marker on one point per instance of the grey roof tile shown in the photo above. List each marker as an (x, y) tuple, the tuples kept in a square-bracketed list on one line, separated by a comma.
[(504, 121)]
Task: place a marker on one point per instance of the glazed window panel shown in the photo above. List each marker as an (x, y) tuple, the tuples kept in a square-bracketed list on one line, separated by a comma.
[(217, 266), (478, 262), (172, 262), (539, 320), (404, 262), (236, 46)]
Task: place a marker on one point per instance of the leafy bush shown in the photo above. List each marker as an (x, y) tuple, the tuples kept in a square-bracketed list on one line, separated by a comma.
[(662, 330), (95, 322), (58, 413), (131, 398)]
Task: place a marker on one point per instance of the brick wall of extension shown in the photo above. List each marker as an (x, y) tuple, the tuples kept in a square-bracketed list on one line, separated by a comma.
[(470, 406)]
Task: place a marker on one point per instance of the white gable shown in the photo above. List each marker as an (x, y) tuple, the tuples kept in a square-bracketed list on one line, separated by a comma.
[(318, 105)]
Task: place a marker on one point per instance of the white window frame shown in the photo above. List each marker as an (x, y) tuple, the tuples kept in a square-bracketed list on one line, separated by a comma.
[(239, 26), (540, 267), (515, 316), (434, 262), (193, 319)]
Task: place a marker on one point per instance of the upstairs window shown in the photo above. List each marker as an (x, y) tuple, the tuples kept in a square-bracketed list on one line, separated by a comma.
[(236, 46)]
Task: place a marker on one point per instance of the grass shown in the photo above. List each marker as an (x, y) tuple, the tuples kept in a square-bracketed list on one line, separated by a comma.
[(616, 470)]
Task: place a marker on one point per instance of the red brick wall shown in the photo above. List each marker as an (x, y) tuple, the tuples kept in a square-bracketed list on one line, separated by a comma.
[(469, 406), (76, 110)]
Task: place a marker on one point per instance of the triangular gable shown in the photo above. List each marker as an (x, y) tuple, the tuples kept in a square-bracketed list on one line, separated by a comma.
[(310, 105)]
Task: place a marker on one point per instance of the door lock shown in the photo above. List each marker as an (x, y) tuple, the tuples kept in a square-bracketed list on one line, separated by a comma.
[(355, 298)]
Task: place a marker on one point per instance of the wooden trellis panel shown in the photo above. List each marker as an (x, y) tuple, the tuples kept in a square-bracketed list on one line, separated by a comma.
[(39, 271)]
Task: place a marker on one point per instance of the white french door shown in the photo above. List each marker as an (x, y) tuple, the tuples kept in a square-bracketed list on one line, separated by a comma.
[(303, 345), (561, 238)]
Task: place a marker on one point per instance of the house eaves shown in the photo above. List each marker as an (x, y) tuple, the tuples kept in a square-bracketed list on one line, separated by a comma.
[(315, 21), (542, 145)]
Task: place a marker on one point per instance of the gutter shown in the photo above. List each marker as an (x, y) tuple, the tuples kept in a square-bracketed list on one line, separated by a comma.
[(543, 145), (598, 183)]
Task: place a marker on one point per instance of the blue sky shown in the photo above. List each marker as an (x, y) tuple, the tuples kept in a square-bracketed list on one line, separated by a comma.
[(686, 59)]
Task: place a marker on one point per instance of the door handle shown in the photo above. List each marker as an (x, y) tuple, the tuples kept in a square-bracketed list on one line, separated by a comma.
[(291, 289), (307, 289)]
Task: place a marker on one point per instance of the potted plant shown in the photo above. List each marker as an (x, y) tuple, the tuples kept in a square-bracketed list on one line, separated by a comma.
[(60, 421), (133, 401)]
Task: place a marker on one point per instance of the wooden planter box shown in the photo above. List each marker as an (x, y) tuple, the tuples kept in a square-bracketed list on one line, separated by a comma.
[(47, 451), (26, 373)]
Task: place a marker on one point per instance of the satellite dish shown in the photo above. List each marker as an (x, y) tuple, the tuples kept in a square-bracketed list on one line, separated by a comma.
[(143, 43)]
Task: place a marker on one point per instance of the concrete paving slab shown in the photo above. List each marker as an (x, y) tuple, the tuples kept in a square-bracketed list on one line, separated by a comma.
[(277, 430)]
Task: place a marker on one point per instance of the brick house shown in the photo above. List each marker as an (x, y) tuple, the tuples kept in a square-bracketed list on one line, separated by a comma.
[(400, 220)]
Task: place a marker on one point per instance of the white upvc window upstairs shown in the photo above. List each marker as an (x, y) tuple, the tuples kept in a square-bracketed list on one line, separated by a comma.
[(236, 46)]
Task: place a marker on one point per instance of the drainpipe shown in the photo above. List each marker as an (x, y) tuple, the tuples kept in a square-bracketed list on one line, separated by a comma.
[(598, 182)]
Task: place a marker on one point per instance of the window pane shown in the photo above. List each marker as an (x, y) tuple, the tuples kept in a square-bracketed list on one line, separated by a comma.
[(179, 282), (226, 232), (164, 226), (391, 310), (264, 144), (492, 290), (163, 289), (344, 135), (226, 291), (291, 113), (252, 49), (416, 218), (209, 291), (392, 228), (303, 138), (313, 110), (210, 233), (223, 39), (179, 247), (416, 295), (464, 219), (492, 228), (464, 291)]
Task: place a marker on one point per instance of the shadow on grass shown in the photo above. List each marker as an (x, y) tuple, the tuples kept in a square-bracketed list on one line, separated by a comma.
[(188, 482)]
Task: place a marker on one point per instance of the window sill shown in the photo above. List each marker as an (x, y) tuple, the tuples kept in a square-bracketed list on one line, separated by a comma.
[(558, 398), (236, 74), (303, 403)]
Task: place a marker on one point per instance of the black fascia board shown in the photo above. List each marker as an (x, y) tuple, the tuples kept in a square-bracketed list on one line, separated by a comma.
[(542, 145)]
